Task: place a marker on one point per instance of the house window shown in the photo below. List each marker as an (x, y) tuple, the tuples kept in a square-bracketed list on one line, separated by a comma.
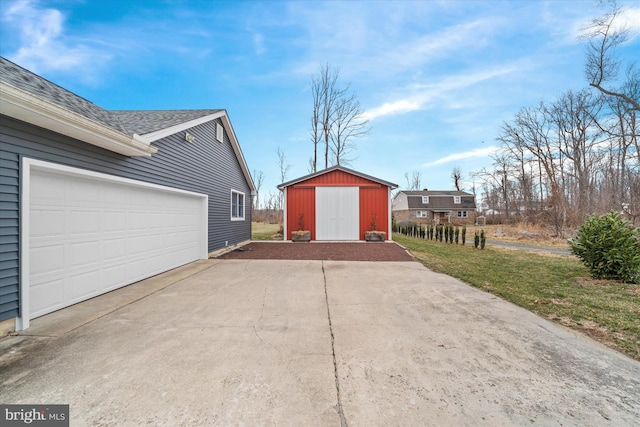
[(425, 200), (237, 206), (462, 214), (219, 132), (456, 200), (422, 214)]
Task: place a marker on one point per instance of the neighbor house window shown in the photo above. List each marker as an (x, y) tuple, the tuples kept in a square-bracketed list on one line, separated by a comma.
[(462, 214), (456, 199), (425, 200), (422, 214), (237, 206), (219, 132)]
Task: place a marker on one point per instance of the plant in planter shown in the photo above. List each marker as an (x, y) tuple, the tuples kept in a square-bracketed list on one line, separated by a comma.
[(373, 235), (301, 235)]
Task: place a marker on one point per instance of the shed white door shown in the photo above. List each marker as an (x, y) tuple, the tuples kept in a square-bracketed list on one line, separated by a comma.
[(337, 213), (91, 233)]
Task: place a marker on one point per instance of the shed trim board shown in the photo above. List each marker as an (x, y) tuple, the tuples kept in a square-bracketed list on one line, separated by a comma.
[(194, 250)]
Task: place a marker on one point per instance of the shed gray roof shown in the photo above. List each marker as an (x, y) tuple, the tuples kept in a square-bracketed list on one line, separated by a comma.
[(331, 169), (127, 122)]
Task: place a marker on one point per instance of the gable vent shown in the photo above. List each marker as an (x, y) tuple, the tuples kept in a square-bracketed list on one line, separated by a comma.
[(219, 132)]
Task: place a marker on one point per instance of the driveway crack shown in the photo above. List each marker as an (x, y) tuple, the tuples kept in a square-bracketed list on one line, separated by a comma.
[(343, 420)]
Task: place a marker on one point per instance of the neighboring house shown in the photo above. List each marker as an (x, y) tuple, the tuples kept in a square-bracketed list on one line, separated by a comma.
[(337, 204), (92, 200), (434, 206)]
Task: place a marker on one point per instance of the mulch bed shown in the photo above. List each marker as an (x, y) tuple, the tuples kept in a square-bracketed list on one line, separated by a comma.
[(326, 251)]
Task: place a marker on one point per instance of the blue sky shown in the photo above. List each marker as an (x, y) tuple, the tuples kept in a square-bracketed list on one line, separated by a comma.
[(436, 78)]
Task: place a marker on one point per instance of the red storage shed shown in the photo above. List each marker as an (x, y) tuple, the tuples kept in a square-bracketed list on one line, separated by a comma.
[(337, 204)]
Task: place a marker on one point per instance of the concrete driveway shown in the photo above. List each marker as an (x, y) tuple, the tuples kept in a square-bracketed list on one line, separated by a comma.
[(326, 343)]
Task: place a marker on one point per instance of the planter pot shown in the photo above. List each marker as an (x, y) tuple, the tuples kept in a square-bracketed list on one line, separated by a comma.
[(301, 236), (375, 236)]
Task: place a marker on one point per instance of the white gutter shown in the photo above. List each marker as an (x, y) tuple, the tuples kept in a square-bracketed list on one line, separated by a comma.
[(29, 108)]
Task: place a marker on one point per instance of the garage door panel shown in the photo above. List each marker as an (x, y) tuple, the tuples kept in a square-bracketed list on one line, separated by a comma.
[(47, 222), (84, 253), (46, 297), (99, 234), (83, 285), (47, 259), (84, 222)]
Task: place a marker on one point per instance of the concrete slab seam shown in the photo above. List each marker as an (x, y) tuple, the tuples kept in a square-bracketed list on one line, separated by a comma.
[(343, 420)]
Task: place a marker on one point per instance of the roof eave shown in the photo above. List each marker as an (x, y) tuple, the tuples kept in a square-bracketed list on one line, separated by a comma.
[(29, 108), (332, 168)]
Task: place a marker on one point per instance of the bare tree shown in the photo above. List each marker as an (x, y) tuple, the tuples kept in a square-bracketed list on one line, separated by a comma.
[(456, 176), (348, 124), (414, 182), (602, 66), (258, 178), (284, 170), (336, 119)]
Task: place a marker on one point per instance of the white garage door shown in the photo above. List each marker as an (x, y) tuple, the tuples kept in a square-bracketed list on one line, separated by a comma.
[(90, 233), (337, 213)]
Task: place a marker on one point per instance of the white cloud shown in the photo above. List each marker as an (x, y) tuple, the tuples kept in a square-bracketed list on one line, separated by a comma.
[(388, 108), (43, 46), (424, 93), (258, 43), (466, 155)]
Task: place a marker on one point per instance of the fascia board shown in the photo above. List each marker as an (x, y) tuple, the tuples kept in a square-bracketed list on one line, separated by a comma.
[(29, 108), (238, 151), (163, 133)]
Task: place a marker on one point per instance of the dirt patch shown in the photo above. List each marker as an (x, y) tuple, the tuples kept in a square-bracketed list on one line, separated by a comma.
[(326, 251)]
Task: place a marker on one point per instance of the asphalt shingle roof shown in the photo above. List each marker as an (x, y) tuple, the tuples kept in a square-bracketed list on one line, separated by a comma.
[(128, 122), (145, 121)]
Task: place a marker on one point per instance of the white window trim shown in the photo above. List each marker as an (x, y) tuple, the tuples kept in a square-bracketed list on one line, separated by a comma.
[(237, 218), (457, 200), (462, 214), (425, 200), (219, 132), (422, 214)]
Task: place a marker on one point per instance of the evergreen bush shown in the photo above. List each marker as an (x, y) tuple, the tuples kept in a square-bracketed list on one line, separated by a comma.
[(610, 247)]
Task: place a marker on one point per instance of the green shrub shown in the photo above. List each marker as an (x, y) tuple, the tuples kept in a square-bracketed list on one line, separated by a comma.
[(476, 240), (610, 247), (464, 234), (483, 239)]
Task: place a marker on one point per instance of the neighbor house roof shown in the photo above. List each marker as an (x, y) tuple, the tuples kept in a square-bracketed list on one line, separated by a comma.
[(466, 203), (436, 193), (333, 168)]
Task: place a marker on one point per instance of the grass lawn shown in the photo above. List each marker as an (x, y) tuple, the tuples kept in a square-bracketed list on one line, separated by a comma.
[(556, 287), (263, 231)]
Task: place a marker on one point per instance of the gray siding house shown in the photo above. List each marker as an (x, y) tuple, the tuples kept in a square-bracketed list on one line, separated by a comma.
[(92, 200), (434, 206)]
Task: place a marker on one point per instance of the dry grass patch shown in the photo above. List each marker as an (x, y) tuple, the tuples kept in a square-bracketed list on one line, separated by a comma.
[(533, 235)]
